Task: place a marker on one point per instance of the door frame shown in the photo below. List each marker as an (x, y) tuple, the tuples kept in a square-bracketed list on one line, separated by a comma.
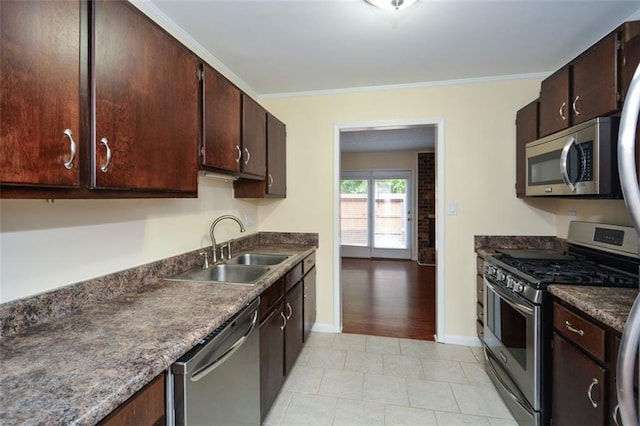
[(370, 251), (438, 122)]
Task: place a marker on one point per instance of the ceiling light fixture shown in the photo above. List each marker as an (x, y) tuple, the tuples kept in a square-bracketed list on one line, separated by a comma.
[(391, 4)]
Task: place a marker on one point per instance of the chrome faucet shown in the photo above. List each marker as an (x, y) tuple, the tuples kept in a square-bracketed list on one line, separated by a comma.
[(213, 238)]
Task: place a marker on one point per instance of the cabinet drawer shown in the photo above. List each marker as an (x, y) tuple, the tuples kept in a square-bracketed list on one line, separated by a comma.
[(579, 330), (292, 277), (147, 407), (480, 289), (308, 263), (479, 265), (270, 298)]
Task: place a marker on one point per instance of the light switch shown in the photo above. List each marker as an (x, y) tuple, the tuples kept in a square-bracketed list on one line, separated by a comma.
[(453, 208)]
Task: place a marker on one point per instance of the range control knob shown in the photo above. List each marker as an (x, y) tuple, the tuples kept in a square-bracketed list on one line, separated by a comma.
[(510, 281), (500, 276), (518, 287)]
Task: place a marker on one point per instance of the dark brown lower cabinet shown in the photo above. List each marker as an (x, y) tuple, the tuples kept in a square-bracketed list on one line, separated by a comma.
[(145, 408), (294, 328), (579, 386), (309, 300), (271, 358)]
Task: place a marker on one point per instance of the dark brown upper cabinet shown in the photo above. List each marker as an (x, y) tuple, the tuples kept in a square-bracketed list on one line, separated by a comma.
[(554, 102), (40, 58), (526, 131), (630, 62), (254, 137), (132, 118), (275, 184), (222, 113), (146, 104), (595, 81), (590, 86)]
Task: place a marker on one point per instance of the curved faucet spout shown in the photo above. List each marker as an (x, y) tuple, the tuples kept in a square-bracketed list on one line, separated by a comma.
[(213, 227)]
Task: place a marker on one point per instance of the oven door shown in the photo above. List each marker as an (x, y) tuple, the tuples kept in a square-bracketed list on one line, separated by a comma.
[(512, 333)]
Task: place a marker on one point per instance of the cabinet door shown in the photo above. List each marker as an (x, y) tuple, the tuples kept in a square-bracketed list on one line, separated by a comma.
[(309, 282), (554, 102), (526, 131), (40, 93), (146, 104), (276, 157), (595, 82), (630, 62), (254, 137), (221, 121), (271, 359), (579, 387), (295, 328)]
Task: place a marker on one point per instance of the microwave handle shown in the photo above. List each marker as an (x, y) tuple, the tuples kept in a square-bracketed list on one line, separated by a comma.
[(563, 163)]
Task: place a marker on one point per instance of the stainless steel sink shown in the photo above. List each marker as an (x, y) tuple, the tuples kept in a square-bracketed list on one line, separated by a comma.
[(257, 259), (227, 273)]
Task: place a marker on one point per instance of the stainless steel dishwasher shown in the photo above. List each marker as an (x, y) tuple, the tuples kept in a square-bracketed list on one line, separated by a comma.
[(218, 381)]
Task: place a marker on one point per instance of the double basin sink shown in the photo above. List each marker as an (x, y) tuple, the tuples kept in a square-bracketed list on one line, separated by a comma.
[(246, 268)]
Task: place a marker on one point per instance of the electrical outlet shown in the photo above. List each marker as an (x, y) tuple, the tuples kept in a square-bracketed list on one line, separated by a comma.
[(248, 220), (572, 215), (453, 208)]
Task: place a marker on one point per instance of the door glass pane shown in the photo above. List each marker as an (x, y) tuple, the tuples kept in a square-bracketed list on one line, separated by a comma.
[(354, 212), (390, 213)]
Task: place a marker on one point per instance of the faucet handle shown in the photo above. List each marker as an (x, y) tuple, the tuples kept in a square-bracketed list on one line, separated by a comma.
[(229, 248), (205, 265)]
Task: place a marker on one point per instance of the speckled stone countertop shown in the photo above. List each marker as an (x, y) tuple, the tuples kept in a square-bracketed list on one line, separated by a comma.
[(485, 245), (77, 368), (608, 305)]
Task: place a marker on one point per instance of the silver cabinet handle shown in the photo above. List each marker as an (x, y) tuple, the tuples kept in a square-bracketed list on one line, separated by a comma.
[(270, 180), (105, 166), (69, 163), (573, 105), (593, 383), (290, 311), (616, 411), (248, 156), (239, 154), (284, 321), (564, 117), (572, 329)]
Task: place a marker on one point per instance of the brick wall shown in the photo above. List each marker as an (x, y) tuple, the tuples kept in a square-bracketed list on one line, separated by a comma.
[(426, 207)]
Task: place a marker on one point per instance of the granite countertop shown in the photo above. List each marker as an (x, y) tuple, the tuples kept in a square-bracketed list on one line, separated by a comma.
[(608, 305), (79, 368)]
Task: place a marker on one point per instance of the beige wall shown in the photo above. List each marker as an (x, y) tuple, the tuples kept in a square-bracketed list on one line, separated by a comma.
[(479, 174), (44, 246), (403, 160)]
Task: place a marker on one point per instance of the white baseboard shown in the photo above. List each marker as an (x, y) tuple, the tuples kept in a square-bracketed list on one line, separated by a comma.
[(461, 340), (324, 328)]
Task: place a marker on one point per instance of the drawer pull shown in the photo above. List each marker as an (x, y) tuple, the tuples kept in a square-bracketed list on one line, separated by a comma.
[(290, 311), (616, 413), (573, 329), (284, 321), (593, 383)]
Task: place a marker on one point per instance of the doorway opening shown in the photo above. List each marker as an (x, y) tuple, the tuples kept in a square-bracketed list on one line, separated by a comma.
[(382, 240)]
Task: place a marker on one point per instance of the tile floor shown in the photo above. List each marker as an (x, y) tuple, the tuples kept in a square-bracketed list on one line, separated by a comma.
[(352, 379)]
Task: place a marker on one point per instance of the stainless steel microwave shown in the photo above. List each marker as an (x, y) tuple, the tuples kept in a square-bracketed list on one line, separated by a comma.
[(579, 161)]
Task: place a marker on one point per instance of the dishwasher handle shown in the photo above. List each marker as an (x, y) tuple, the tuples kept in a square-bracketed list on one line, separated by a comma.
[(204, 371)]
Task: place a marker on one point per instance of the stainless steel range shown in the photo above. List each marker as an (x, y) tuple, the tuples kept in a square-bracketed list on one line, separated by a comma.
[(517, 307)]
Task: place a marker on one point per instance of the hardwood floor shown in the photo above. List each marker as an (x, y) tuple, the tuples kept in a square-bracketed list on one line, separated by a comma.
[(393, 298)]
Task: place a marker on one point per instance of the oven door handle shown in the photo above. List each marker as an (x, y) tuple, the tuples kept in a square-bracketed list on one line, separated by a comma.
[(520, 307)]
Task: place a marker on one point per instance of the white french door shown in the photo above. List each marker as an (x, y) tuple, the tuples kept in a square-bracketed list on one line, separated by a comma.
[(375, 214)]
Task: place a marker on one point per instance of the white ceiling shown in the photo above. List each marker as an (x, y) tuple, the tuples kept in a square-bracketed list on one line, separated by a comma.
[(289, 47), (292, 46)]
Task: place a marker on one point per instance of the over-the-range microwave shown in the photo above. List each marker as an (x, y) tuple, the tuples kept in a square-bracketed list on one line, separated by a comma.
[(580, 161)]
